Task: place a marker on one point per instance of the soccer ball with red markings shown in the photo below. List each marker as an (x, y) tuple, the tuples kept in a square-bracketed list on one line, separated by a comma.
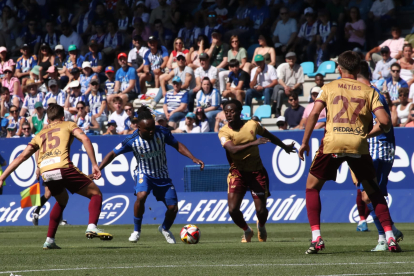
[(190, 234)]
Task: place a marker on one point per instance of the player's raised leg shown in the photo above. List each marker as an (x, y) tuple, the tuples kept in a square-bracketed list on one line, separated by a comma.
[(55, 217), (139, 209), (234, 202)]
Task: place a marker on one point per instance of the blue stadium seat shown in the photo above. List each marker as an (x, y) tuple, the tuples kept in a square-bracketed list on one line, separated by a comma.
[(263, 111), (307, 67), (325, 68), (246, 112), (250, 51)]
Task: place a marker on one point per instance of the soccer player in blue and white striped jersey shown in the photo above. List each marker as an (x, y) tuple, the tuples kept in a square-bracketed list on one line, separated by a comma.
[(151, 174), (382, 151)]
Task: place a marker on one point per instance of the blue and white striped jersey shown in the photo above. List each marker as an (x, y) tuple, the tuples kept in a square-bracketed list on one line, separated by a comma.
[(174, 101), (128, 121), (155, 60), (59, 19), (73, 100), (382, 147), (98, 38), (25, 65), (84, 21), (110, 87), (208, 100), (150, 155), (123, 24), (60, 98), (52, 40), (85, 80), (30, 101), (325, 30), (113, 41), (308, 32), (95, 102)]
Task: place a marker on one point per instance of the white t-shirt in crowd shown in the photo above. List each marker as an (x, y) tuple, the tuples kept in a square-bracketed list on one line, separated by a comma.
[(211, 73), (119, 119), (265, 77), (380, 8), (183, 127)]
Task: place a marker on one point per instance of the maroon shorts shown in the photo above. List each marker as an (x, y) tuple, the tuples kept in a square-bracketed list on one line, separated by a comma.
[(257, 181), (70, 178), (325, 166)]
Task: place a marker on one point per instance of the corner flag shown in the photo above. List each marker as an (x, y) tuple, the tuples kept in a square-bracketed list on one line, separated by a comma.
[(30, 196)]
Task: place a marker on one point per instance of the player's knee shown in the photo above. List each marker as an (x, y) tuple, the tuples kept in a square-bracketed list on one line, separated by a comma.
[(233, 210), (173, 209)]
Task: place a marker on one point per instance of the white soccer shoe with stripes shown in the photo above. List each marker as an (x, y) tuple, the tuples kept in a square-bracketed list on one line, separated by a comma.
[(134, 237), (167, 234)]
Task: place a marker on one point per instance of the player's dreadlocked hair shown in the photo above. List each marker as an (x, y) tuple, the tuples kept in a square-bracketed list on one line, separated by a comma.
[(144, 113), (235, 102)]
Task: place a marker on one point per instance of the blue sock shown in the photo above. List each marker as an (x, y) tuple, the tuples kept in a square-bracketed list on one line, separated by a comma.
[(137, 224), (376, 220), (166, 225)]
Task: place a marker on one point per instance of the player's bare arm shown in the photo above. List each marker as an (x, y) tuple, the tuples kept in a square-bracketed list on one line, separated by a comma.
[(384, 121), (310, 124), (28, 151), (233, 149), (107, 160), (184, 151), (276, 141), (81, 136)]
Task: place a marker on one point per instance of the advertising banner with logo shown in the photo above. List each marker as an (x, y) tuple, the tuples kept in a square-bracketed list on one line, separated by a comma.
[(287, 175)]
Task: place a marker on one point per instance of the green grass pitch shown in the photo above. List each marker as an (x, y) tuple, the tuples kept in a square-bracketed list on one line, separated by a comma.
[(218, 253)]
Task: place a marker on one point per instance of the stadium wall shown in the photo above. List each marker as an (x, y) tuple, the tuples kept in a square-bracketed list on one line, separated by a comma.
[(286, 172)]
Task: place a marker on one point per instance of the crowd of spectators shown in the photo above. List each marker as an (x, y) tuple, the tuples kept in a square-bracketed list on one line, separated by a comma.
[(96, 57)]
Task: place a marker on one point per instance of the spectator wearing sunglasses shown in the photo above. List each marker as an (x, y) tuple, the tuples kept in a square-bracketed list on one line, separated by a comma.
[(82, 118), (5, 60), (26, 130), (75, 96), (129, 110), (33, 96), (13, 84), (212, 25), (36, 121), (56, 93), (15, 119), (403, 109), (96, 104), (294, 112), (394, 83), (12, 131)]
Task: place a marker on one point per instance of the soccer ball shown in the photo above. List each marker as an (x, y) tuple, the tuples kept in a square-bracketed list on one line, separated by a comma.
[(190, 234)]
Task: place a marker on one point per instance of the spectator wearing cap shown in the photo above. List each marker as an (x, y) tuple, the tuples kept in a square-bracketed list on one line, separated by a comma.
[(205, 70), (382, 68), (381, 17), (394, 83), (294, 112), (99, 35), (15, 119), (5, 61), (45, 59), (140, 12), (13, 84), (96, 104), (176, 103), (155, 61), (74, 97), (189, 33), (56, 93), (141, 29), (94, 57), (119, 115), (52, 74), (86, 78), (314, 94), (265, 49), (290, 80), (281, 123), (262, 81), (74, 60), (126, 81), (75, 76), (26, 130), (110, 82), (395, 44), (326, 37), (164, 35), (218, 51), (212, 25), (201, 120), (178, 49), (259, 16), (285, 32), (355, 30), (25, 63), (136, 54), (238, 82), (31, 36), (112, 128), (161, 12), (37, 119), (33, 96), (51, 36), (12, 131), (161, 120), (83, 20), (184, 72), (113, 41), (188, 126), (306, 41), (129, 110), (209, 99), (70, 37)]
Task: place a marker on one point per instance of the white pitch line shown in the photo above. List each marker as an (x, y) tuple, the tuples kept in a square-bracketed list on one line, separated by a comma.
[(218, 265), (392, 273)]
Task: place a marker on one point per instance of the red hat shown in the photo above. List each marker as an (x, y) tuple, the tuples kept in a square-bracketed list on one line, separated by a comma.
[(122, 55)]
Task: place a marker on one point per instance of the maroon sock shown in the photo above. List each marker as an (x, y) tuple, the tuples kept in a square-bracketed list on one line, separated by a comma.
[(55, 217), (381, 210), (313, 206), (95, 206), (360, 205)]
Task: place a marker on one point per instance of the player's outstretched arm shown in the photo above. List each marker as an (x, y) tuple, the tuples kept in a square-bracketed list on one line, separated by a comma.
[(310, 125), (184, 151), (233, 149), (276, 141), (28, 151), (81, 136), (384, 120), (107, 160)]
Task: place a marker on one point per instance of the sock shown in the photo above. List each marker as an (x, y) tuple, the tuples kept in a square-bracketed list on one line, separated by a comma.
[(55, 216), (389, 234), (316, 234), (361, 222), (91, 226), (246, 228), (360, 206), (137, 224), (313, 207), (166, 225), (43, 200), (381, 210), (376, 220), (95, 206), (382, 238), (50, 240)]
